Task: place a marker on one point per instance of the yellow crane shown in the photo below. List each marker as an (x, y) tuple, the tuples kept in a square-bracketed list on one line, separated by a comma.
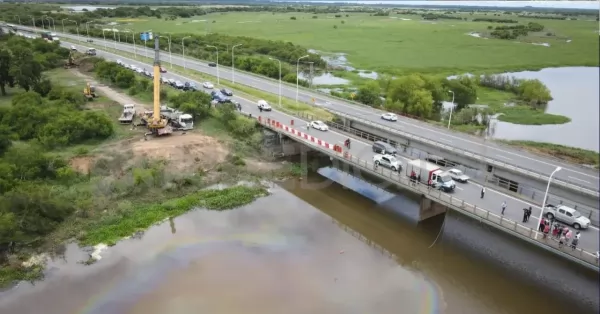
[(157, 124)]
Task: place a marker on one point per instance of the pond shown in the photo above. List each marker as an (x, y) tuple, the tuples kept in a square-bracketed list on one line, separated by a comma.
[(575, 93)]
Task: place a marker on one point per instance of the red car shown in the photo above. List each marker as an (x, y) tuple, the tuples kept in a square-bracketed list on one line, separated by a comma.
[(163, 70)]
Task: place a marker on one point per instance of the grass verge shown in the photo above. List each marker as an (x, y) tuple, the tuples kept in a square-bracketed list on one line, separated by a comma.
[(570, 154), (112, 229)]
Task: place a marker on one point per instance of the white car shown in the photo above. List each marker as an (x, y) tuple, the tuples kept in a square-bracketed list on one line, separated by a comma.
[(458, 175), (119, 62), (319, 125), (389, 116), (208, 85), (264, 105), (387, 161), (140, 70), (73, 48), (127, 66)]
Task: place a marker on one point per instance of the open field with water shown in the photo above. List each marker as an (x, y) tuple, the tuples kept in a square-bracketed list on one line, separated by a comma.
[(401, 43)]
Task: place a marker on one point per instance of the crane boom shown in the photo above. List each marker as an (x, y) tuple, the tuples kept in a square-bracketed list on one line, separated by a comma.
[(156, 112)]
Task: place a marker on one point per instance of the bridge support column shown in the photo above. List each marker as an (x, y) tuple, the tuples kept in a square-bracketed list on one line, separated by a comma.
[(430, 208), (346, 122)]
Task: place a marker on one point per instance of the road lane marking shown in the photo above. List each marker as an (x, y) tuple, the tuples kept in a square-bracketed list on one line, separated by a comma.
[(445, 140), (503, 157), (460, 188), (354, 107), (579, 179)]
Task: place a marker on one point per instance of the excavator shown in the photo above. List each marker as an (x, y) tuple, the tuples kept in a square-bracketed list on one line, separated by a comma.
[(89, 92), (156, 123), (70, 61)]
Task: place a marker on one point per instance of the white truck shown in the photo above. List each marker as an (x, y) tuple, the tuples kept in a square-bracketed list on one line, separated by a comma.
[(567, 215), (430, 174), (128, 114)]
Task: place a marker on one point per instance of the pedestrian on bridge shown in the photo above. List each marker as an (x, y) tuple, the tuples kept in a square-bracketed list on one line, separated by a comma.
[(525, 211), (575, 240), (482, 192), (503, 207)]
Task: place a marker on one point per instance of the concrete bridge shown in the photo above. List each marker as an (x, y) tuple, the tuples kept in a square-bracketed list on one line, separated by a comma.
[(433, 201)]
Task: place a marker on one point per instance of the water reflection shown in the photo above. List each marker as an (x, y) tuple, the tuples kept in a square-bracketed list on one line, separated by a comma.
[(282, 255)]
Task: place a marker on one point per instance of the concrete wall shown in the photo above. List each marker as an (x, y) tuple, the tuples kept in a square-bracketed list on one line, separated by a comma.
[(429, 208)]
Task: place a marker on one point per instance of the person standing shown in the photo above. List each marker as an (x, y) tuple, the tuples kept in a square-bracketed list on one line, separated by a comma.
[(503, 207), (575, 240), (525, 211), (528, 213), (482, 191)]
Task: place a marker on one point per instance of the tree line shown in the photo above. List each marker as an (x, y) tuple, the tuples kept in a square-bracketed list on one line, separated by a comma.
[(491, 20), (43, 117), (514, 32)]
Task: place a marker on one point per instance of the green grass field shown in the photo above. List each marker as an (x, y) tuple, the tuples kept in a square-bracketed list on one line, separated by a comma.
[(391, 44)]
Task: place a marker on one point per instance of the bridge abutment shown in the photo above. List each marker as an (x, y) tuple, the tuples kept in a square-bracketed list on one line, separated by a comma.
[(429, 208)]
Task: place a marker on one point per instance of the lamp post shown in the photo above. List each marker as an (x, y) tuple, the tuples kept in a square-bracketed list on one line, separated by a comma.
[(183, 49), (297, 74), (146, 43), (33, 21), (87, 29), (233, 63), (104, 36), (545, 199), (114, 38), (279, 80), (53, 24), (451, 108), (63, 24), (77, 27), (170, 55), (217, 49), (132, 39), (19, 18), (42, 18)]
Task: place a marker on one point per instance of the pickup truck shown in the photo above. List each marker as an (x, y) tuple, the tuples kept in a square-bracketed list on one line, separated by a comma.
[(387, 161), (567, 215)]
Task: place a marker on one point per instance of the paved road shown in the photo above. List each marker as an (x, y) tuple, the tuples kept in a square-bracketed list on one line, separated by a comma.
[(469, 192), (579, 176)]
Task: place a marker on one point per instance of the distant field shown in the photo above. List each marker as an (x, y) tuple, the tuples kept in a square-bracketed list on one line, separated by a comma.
[(397, 45)]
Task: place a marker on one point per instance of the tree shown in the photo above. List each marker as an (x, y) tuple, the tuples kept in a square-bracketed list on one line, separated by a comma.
[(465, 91), (5, 77), (26, 71), (368, 94), (125, 79), (534, 92)]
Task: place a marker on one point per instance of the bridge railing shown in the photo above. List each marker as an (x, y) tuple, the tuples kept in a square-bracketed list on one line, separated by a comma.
[(499, 221), (471, 155)]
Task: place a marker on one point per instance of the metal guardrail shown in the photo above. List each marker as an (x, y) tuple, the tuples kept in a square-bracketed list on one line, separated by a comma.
[(525, 171), (581, 256), (466, 153)]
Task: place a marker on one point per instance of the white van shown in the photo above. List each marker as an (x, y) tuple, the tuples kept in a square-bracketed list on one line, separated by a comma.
[(264, 105)]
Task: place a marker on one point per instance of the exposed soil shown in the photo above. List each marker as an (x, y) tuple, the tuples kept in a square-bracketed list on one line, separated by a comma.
[(82, 164)]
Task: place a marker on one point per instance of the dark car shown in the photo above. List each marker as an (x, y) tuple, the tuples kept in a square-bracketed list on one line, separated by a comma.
[(226, 92), (220, 98), (89, 40), (212, 64), (189, 86), (381, 147)]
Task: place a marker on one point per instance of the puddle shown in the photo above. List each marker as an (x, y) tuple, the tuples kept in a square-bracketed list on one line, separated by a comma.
[(335, 60), (325, 79), (541, 44), (368, 74)]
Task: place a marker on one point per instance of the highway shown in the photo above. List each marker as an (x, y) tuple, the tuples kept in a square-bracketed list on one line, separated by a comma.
[(573, 174), (469, 192)]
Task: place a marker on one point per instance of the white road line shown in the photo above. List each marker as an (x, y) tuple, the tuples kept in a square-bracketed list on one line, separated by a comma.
[(579, 179), (460, 188), (503, 157), (445, 140)]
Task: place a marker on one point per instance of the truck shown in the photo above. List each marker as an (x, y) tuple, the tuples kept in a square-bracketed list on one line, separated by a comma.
[(128, 114), (567, 215), (177, 119), (430, 174)]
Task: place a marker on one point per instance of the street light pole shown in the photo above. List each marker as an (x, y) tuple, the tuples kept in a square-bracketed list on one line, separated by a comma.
[(279, 80), (18, 17), (545, 199), (170, 55), (233, 63), (77, 27), (53, 24), (297, 74), (114, 38), (33, 21), (217, 49), (63, 24), (42, 18), (87, 29), (183, 49), (451, 108), (104, 35)]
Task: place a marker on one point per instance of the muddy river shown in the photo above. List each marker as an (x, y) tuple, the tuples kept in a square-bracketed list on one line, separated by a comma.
[(300, 250)]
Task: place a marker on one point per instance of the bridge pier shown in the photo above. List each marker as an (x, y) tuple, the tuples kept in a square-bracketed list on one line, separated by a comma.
[(429, 208)]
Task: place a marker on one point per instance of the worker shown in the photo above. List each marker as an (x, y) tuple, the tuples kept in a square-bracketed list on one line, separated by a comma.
[(347, 143)]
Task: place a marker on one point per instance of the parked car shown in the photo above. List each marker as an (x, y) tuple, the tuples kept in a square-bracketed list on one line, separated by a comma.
[(319, 125), (119, 62), (212, 64), (208, 85), (389, 116), (89, 40), (164, 80), (458, 175), (189, 86), (171, 82), (139, 70), (73, 48), (218, 97), (146, 73), (226, 92), (262, 104), (384, 148), (179, 85), (163, 70), (388, 161), (567, 215)]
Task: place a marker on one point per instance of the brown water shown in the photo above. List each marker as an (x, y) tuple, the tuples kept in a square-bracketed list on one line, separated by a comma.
[(292, 252)]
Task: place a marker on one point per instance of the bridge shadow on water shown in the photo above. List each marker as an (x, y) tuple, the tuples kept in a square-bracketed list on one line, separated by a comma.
[(501, 252)]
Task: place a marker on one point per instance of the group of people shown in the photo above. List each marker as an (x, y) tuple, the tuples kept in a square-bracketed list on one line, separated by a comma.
[(563, 234), (526, 214), (414, 178)]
